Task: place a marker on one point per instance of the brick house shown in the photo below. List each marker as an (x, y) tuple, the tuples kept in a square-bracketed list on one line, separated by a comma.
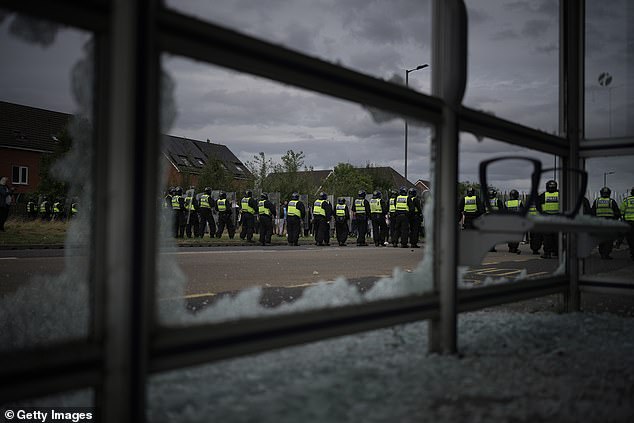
[(25, 134)]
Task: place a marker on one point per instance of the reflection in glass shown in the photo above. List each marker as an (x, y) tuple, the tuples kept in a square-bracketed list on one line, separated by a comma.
[(47, 112), (380, 38), (609, 69), (255, 136), (514, 61), (513, 259)]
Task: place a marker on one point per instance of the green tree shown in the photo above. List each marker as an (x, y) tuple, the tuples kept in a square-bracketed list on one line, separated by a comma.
[(260, 167), (50, 185), (287, 176), (346, 180)]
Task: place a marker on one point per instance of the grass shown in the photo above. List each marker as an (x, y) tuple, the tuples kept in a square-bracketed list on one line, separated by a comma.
[(21, 233)]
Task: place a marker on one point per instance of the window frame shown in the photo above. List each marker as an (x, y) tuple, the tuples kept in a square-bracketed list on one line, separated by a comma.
[(126, 345), (20, 171)]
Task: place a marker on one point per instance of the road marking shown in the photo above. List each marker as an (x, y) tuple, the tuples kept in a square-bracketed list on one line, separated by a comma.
[(530, 275), (8, 258), (190, 296), (514, 272)]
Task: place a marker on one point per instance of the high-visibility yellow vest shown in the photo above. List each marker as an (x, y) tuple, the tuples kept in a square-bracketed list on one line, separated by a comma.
[(513, 205), (262, 209), (292, 208), (221, 204), (551, 203), (56, 207), (204, 201), (167, 201), (401, 203), (176, 205), (493, 202), (392, 203), (189, 204), (30, 207), (359, 206), (73, 208), (317, 209), (470, 204), (43, 206), (246, 207), (375, 206), (603, 207), (341, 210), (532, 210), (627, 209)]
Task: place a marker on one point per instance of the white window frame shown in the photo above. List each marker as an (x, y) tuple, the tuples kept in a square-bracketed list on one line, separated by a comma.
[(20, 171)]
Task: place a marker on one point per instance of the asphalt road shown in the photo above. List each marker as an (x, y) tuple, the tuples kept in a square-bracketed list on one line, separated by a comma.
[(285, 271)]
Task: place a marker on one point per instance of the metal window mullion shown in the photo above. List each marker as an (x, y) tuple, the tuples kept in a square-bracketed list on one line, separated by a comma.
[(130, 186), (449, 74), (207, 42), (87, 15), (571, 90), (483, 124)]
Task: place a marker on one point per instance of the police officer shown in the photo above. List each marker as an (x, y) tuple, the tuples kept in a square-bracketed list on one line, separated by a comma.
[(514, 206), (296, 212), (548, 203), (167, 199), (74, 208), (404, 208), (627, 212), (206, 204), (58, 210), (378, 210), (45, 209), (266, 214), (178, 208), (361, 216), (224, 216), (248, 207), (322, 213), (606, 208), (31, 208), (471, 207), (392, 213), (415, 218), (535, 239), (495, 204), (191, 214), (342, 217)]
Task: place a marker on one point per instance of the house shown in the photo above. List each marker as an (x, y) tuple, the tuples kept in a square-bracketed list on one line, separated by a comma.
[(423, 185), (26, 133), (187, 157)]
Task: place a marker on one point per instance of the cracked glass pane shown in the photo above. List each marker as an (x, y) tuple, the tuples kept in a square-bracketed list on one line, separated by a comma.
[(262, 137), (46, 122)]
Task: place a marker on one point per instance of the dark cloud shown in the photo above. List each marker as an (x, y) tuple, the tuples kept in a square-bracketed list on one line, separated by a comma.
[(546, 49), (546, 7), (505, 34), (535, 28)]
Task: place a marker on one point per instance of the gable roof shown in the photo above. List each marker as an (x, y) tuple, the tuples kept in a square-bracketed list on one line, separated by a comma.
[(423, 185), (190, 156), (396, 179), (29, 128)]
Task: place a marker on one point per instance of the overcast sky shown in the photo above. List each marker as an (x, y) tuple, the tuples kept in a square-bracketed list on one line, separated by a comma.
[(513, 60)]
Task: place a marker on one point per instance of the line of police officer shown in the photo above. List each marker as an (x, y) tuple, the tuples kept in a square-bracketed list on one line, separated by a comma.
[(470, 207), (51, 210), (404, 210)]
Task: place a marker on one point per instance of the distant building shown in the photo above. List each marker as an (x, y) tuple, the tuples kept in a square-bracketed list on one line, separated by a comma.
[(27, 133), (422, 185)]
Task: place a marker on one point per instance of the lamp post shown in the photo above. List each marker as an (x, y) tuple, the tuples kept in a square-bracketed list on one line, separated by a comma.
[(605, 174), (407, 72)]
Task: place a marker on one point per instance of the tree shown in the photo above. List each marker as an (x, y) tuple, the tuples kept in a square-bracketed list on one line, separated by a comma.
[(260, 168), (292, 162), (49, 184), (346, 180)]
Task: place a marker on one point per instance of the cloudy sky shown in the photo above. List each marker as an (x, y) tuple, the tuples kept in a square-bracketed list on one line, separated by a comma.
[(513, 60)]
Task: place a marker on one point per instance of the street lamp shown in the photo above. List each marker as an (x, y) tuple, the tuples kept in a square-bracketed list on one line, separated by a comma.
[(605, 174), (407, 72)]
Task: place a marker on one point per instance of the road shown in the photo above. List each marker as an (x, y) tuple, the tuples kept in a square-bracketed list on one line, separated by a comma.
[(215, 271)]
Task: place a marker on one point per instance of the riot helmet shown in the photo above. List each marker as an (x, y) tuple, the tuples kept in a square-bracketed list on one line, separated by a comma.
[(361, 193), (341, 200), (606, 192), (264, 196), (492, 193), (222, 195), (248, 193), (412, 192), (514, 194), (295, 196), (402, 191), (178, 191), (323, 195), (551, 186), (376, 194), (470, 191), (207, 190)]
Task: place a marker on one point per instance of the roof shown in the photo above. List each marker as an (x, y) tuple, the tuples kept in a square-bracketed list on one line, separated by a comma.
[(318, 177), (30, 128), (424, 185), (190, 156)]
